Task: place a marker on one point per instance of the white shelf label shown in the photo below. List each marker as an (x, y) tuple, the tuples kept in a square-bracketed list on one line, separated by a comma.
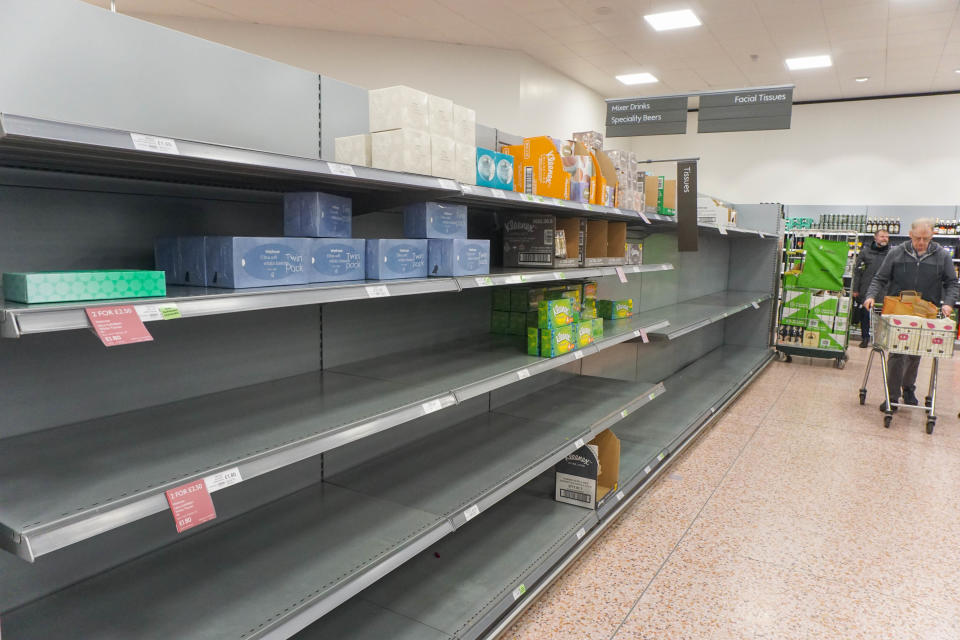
[(666, 267), (342, 169), (498, 193), (755, 305), (472, 512), (635, 269), (661, 456), (150, 312), (223, 479), (526, 196), (621, 274), (380, 291), (433, 405), (143, 142), (636, 333), (467, 188), (653, 396), (619, 496), (647, 470), (644, 337), (559, 275), (485, 282), (581, 533), (577, 355), (447, 184), (587, 206), (760, 233), (523, 373), (723, 230), (624, 413), (512, 279), (644, 217), (578, 444), (519, 591)]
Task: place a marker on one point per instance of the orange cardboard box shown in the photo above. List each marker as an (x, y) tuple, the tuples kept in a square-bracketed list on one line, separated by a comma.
[(605, 186), (515, 150), (555, 169)]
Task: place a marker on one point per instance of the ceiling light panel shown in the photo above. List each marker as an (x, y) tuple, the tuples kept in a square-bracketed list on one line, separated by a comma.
[(637, 78), (809, 62), (682, 19)]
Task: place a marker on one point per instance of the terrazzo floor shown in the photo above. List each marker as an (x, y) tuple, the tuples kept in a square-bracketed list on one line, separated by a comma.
[(797, 515)]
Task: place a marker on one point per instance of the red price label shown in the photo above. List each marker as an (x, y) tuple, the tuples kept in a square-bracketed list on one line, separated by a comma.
[(118, 325), (191, 505)]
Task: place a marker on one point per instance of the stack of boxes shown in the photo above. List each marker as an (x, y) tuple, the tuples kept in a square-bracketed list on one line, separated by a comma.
[(710, 211), (543, 240), (630, 180), (823, 316), (439, 231)]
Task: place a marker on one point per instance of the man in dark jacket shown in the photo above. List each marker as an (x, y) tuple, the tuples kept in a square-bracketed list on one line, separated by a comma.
[(919, 265), (865, 268)]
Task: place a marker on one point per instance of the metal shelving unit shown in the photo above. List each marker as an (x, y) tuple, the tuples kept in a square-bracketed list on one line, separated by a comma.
[(265, 575), (689, 316)]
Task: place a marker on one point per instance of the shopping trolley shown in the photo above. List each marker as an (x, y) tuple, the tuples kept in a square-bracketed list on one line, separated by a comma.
[(911, 336)]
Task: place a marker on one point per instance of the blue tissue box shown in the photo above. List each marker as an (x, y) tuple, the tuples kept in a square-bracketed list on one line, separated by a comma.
[(494, 170), (183, 259), (336, 259), (243, 262), (316, 215), (435, 220), (458, 257), (393, 259)]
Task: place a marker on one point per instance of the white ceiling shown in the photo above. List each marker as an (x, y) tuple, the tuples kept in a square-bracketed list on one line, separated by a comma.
[(903, 46)]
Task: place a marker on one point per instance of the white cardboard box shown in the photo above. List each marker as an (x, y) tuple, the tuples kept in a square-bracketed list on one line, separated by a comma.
[(440, 116), (465, 125), (354, 150), (398, 108), (406, 150), (443, 157), (466, 163)]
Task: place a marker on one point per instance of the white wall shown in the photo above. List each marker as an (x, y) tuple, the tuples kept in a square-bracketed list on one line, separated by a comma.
[(903, 151), (508, 89)]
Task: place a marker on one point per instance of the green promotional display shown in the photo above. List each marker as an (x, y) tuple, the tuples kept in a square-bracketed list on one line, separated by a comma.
[(823, 265)]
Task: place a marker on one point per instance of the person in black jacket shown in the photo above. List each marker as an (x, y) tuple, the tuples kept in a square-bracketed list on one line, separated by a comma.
[(923, 266), (865, 268)]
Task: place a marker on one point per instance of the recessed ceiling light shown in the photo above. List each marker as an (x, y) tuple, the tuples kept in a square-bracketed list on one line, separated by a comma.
[(637, 78), (862, 79), (673, 20), (809, 62), (956, 70)]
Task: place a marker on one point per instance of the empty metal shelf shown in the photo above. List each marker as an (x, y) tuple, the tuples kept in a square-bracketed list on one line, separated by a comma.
[(697, 313)]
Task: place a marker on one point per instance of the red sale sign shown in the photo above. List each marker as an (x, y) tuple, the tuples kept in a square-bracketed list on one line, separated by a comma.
[(191, 505), (118, 325)]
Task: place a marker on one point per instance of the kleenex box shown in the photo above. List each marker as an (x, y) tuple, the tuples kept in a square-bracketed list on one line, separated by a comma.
[(459, 257), (316, 215), (494, 170), (183, 258), (435, 220), (391, 259), (336, 259), (242, 262)]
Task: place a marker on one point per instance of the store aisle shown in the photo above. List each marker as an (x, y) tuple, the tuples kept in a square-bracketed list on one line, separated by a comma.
[(796, 516)]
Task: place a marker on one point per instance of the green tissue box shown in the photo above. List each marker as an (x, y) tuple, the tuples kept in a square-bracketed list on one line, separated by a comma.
[(556, 342), (74, 286), (533, 341), (557, 313), (518, 323), (614, 309), (500, 299), (597, 328), (500, 322)]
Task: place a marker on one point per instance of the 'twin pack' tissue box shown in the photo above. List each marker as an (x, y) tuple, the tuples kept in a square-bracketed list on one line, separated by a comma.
[(440, 116), (336, 259), (435, 220), (405, 150), (316, 215), (242, 262), (464, 125), (184, 259), (459, 257), (443, 157), (398, 108), (353, 150), (391, 259)]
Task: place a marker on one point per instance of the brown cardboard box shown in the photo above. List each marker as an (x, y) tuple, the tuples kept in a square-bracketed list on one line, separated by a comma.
[(670, 197), (616, 243), (595, 243), (571, 231), (651, 191), (585, 478)]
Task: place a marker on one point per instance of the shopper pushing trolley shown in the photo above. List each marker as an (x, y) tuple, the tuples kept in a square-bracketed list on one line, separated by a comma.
[(918, 280)]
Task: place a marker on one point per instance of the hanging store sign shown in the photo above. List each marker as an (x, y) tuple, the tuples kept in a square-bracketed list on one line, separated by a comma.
[(745, 110), (646, 116), (687, 231)]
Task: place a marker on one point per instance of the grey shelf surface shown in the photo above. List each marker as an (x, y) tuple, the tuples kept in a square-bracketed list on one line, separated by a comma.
[(18, 319), (63, 485), (697, 313), (271, 572)]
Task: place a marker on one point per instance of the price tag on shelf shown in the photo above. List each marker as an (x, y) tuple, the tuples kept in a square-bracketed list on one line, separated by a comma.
[(379, 291), (755, 305), (722, 229), (519, 591), (635, 268), (527, 197), (760, 233), (644, 337), (430, 407), (619, 496), (523, 374), (472, 512), (621, 274), (498, 193), (190, 505), (149, 312), (577, 355), (223, 479), (485, 281), (644, 217), (342, 170), (624, 413), (559, 275), (513, 279), (647, 470), (467, 188), (142, 142), (578, 444), (666, 267), (636, 333), (117, 326), (582, 532), (447, 184), (587, 206), (661, 456), (653, 396)]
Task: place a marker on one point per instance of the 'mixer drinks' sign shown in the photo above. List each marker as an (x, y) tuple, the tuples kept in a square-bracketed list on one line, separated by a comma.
[(745, 110), (646, 116)]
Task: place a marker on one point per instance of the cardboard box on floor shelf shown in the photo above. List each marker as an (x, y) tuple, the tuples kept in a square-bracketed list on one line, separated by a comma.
[(313, 214), (591, 473), (435, 220), (528, 240), (570, 257), (440, 116), (464, 125), (465, 161), (494, 170), (399, 107), (241, 262), (595, 243), (458, 257), (443, 157), (355, 150), (394, 258), (404, 150), (336, 259), (75, 286), (616, 243)]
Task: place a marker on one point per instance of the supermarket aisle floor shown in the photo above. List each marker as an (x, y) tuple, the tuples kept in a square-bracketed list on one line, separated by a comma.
[(796, 516)]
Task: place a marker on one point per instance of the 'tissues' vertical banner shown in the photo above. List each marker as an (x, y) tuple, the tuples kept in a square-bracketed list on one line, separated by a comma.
[(687, 232)]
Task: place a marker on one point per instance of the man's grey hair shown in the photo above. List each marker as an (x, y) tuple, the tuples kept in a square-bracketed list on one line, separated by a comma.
[(921, 223)]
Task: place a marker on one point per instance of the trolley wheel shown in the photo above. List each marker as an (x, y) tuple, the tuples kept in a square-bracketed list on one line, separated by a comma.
[(930, 424), (841, 362), (863, 396), (789, 358), (887, 420)]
